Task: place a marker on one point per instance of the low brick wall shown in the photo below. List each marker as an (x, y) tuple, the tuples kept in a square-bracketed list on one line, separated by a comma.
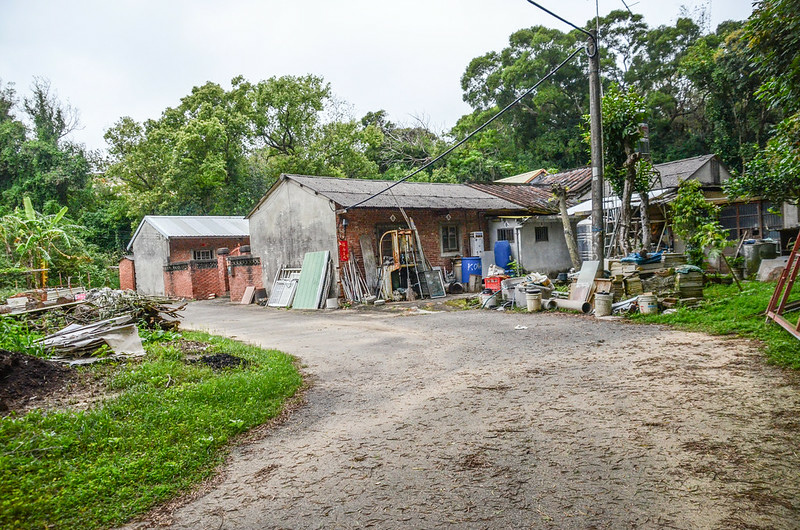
[(195, 279), (245, 271)]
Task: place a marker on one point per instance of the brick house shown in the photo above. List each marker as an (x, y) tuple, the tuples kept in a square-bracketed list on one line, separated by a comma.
[(177, 255), (300, 214)]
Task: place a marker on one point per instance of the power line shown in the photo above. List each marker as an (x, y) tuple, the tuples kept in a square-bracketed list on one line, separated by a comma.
[(568, 23), (470, 135)]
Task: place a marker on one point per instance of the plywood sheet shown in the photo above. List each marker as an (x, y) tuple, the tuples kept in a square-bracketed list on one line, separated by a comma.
[(583, 288)]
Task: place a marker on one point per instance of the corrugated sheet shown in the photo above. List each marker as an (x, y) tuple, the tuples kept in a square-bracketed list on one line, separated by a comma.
[(534, 199), (522, 178), (171, 226), (347, 192)]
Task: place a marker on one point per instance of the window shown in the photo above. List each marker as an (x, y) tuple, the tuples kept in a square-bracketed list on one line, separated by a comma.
[(202, 254), (505, 234), (450, 241), (753, 219), (541, 233)]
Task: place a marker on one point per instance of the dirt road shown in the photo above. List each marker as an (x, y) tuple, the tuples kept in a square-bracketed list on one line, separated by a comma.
[(457, 419)]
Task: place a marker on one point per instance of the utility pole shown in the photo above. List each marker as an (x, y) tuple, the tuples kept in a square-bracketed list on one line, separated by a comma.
[(596, 130)]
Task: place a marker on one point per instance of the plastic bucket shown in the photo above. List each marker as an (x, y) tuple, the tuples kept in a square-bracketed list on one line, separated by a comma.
[(602, 304), (648, 304), (470, 266), (533, 298)]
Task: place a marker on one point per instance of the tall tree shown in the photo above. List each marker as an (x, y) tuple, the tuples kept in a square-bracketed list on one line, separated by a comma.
[(773, 36), (623, 111)]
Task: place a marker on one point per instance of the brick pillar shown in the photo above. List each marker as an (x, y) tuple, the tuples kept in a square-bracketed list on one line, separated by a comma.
[(127, 274), (222, 270)]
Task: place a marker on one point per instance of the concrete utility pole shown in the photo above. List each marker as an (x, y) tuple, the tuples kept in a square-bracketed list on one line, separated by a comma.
[(596, 129)]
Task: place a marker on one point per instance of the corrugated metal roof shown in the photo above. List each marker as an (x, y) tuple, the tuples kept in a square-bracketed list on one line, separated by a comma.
[(533, 198), (522, 178), (347, 192), (174, 226)]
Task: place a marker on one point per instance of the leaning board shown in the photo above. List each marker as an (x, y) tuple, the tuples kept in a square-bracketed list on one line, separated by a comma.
[(312, 280)]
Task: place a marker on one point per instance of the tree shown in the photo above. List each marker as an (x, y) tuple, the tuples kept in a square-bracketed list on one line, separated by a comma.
[(721, 70), (41, 162), (696, 222), (540, 130), (623, 111), (773, 36)]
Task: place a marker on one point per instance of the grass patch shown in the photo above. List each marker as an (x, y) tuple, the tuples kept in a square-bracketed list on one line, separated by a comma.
[(166, 429), (726, 311)]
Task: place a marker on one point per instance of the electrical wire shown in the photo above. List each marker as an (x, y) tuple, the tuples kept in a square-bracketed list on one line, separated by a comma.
[(568, 23), (470, 135)]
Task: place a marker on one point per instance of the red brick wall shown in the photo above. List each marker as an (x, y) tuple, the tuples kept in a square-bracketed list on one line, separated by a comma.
[(195, 281), (245, 270), (181, 249), (178, 283), (127, 274), (364, 220)]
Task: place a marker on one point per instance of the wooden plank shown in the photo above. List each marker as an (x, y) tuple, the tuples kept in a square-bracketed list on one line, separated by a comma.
[(313, 276), (247, 297), (368, 257)]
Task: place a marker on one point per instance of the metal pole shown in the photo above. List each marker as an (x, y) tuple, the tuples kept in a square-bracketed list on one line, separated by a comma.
[(596, 129)]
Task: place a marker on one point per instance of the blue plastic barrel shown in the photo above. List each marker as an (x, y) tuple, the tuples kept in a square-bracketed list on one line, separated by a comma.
[(502, 254), (470, 266)]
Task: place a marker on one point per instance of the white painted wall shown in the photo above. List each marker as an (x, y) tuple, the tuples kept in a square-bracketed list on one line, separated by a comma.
[(547, 257), (293, 220), (151, 253)]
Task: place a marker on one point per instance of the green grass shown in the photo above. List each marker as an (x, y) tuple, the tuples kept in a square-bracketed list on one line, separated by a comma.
[(727, 311), (166, 430)]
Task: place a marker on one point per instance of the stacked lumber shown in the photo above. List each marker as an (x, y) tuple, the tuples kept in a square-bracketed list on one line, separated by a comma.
[(689, 284), (670, 260)]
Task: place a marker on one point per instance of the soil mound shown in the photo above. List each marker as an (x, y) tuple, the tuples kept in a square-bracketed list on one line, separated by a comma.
[(24, 376), (221, 361)]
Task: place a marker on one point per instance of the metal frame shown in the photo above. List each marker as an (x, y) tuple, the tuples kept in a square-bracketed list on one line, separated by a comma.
[(778, 302)]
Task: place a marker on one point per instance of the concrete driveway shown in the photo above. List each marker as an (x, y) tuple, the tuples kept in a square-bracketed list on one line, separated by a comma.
[(461, 420)]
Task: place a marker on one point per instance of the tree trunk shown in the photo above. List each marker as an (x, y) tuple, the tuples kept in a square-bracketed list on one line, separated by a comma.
[(645, 212), (624, 220), (561, 194)]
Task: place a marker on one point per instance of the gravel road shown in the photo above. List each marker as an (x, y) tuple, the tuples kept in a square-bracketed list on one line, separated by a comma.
[(459, 420)]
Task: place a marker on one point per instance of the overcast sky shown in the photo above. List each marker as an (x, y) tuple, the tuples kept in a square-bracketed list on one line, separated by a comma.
[(136, 57)]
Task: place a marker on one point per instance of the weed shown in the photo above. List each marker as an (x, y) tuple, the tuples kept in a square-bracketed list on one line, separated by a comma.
[(15, 335)]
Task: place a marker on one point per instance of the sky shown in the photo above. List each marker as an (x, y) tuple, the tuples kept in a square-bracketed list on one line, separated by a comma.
[(135, 58)]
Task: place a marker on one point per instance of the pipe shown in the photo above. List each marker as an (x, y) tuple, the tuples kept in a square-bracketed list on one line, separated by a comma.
[(548, 303), (573, 305)]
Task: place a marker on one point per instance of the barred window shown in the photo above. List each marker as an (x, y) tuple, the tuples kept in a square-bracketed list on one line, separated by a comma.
[(505, 234), (541, 233)]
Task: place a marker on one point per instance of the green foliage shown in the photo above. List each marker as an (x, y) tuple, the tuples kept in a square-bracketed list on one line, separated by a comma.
[(16, 336), (773, 37), (696, 222), (166, 429), (726, 311)]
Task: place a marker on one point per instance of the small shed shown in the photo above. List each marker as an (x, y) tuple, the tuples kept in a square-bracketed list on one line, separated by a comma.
[(161, 240)]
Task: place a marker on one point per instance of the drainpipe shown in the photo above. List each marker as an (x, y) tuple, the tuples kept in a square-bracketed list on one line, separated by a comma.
[(518, 239)]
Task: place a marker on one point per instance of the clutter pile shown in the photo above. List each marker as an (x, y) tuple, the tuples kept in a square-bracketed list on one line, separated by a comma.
[(99, 323)]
